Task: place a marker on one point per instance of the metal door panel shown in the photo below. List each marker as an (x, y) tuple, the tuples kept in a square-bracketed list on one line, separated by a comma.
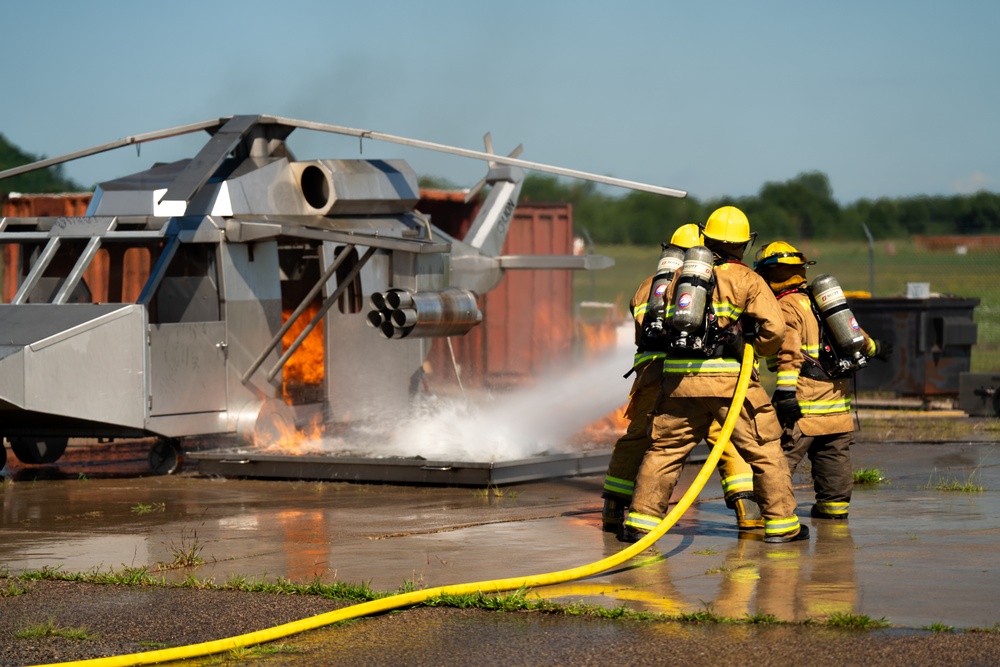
[(187, 365)]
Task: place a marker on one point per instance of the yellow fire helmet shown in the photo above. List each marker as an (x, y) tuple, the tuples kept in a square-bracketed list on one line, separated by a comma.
[(687, 236), (779, 252), (729, 225)]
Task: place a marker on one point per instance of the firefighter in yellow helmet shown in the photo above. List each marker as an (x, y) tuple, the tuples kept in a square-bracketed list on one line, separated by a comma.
[(626, 456), (699, 381), (812, 395)]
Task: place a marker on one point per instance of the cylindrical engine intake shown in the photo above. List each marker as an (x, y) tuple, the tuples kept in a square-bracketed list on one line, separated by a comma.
[(692, 291), (837, 316), (452, 312)]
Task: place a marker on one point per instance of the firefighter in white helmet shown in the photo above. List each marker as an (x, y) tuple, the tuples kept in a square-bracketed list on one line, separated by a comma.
[(699, 382), (626, 456), (812, 394)]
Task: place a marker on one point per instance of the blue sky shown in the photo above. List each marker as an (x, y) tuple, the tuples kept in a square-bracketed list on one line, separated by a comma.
[(893, 98)]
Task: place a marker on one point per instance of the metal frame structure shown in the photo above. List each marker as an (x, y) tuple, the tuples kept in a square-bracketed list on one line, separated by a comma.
[(238, 245)]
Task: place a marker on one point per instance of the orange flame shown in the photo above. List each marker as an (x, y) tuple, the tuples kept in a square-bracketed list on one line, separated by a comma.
[(305, 366), (291, 440)]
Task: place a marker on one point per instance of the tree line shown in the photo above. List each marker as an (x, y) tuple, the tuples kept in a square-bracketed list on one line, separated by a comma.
[(35, 182), (801, 208)]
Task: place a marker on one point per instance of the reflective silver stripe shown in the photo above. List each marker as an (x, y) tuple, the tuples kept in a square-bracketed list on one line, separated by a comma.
[(617, 485), (788, 378), (832, 507), (780, 526), (701, 366), (825, 407), (741, 482), (642, 521)]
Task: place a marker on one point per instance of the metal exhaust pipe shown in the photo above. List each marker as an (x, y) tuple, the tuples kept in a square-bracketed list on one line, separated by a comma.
[(452, 312)]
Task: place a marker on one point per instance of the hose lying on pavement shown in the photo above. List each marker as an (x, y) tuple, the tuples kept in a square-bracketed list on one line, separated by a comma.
[(494, 586)]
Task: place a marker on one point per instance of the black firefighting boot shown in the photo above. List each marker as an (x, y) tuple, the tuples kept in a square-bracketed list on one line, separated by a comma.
[(630, 535), (613, 515), (748, 516), (801, 534), (816, 513)]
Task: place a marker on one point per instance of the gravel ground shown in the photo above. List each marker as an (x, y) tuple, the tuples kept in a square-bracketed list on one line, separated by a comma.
[(129, 619)]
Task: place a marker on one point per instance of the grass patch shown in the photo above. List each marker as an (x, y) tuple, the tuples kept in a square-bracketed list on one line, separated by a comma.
[(11, 588), (261, 651), (188, 552), (741, 566), (494, 491), (856, 621), (993, 629), (50, 629), (149, 509), (521, 600), (953, 484), (870, 476), (939, 627)]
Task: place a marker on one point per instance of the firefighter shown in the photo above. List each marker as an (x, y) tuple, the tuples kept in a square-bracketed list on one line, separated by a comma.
[(619, 482), (813, 407), (699, 383)]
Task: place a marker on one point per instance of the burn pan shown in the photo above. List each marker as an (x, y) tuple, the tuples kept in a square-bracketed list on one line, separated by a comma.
[(244, 464)]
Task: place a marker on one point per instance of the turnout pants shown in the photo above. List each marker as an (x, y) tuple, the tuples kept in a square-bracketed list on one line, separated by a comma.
[(682, 423), (830, 456), (626, 456)]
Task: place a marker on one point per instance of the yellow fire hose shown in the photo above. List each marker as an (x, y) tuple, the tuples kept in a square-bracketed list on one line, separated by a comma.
[(494, 586)]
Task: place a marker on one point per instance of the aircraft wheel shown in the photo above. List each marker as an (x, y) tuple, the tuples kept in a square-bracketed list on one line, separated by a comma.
[(38, 450), (166, 457)]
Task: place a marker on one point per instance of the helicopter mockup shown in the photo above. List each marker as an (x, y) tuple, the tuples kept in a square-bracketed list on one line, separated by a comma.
[(242, 254)]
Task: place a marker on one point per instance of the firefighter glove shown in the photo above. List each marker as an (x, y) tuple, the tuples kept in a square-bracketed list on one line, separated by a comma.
[(883, 350), (787, 407)]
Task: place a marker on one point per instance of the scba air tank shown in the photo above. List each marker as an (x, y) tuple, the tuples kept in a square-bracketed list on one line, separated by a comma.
[(692, 292), (671, 259), (837, 316)]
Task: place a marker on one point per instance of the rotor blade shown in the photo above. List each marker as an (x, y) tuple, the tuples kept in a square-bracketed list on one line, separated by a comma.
[(478, 155), (127, 141)]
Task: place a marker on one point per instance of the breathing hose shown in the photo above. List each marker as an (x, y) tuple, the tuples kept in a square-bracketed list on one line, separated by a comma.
[(494, 586)]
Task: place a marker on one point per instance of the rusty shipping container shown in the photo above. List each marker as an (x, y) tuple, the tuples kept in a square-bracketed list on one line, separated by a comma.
[(528, 319)]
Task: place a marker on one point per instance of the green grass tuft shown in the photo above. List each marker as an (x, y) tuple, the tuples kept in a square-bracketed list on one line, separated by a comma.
[(856, 621), (868, 476)]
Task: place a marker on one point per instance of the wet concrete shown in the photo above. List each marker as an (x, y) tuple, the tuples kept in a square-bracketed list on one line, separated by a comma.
[(910, 553)]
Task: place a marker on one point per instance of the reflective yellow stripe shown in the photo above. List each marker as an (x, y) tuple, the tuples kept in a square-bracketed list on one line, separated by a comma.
[(642, 521), (780, 526), (826, 407), (701, 366), (827, 507), (871, 347), (811, 350), (737, 483), (640, 312), (788, 378), (726, 309), (620, 486), (642, 357)]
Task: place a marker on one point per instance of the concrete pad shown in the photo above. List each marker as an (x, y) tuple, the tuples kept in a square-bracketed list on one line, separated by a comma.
[(911, 553)]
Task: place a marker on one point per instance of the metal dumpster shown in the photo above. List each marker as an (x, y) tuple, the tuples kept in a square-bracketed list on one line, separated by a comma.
[(932, 337)]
